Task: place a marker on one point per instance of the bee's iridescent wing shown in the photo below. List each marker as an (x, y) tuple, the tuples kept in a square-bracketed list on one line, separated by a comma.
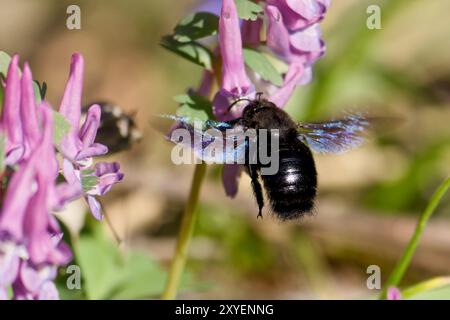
[(211, 141), (335, 136)]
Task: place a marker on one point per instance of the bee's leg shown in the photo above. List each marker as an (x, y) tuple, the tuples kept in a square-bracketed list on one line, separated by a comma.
[(256, 186)]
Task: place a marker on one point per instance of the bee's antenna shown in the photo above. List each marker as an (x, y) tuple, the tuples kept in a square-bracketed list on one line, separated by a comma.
[(237, 101), (258, 95)]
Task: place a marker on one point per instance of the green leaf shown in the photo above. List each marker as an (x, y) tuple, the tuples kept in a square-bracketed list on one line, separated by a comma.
[(196, 26), (259, 63), (9, 292), (37, 92), (442, 293), (248, 10), (60, 127), (87, 171), (428, 288), (191, 51), (1, 98), (141, 278), (98, 260), (5, 60), (194, 107), (109, 275)]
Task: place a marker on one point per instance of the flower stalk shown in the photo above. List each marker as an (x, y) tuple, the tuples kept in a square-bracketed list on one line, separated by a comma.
[(402, 265), (184, 235)]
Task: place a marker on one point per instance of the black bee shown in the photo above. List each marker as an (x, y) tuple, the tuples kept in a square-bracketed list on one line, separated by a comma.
[(293, 188), (117, 129)]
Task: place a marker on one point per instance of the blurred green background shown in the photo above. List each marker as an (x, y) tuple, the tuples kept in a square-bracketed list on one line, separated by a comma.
[(369, 199)]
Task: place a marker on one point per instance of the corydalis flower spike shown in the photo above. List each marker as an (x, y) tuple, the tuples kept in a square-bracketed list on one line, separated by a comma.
[(235, 82)]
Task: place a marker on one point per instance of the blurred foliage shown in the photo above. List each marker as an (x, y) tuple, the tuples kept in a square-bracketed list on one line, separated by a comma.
[(244, 248), (406, 193), (110, 274)]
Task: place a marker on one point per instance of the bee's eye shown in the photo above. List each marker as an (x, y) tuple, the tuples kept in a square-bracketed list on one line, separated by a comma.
[(249, 111)]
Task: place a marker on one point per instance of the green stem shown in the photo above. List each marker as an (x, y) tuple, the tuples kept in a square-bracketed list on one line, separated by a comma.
[(402, 265), (184, 235)]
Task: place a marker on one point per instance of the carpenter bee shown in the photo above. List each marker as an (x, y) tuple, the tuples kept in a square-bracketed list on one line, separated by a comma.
[(292, 188), (117, 130)]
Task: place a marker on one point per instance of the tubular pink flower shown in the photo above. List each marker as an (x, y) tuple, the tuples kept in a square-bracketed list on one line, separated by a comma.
[(70, 106), (28, 112), (78, 144), (11, 121), (87, 135), (235, 82)]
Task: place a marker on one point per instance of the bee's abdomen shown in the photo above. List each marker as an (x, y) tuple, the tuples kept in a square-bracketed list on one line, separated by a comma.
[(292, 190)]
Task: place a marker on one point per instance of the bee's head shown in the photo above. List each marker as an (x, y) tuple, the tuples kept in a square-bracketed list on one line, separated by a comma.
[(251, 109), (256, 111)]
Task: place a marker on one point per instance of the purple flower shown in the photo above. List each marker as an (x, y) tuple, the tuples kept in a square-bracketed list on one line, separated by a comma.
[(31, 249), (79, 146), (300, 46), (299, 14), (104, 175), (235, 82), (107, 174), (35, 283)]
